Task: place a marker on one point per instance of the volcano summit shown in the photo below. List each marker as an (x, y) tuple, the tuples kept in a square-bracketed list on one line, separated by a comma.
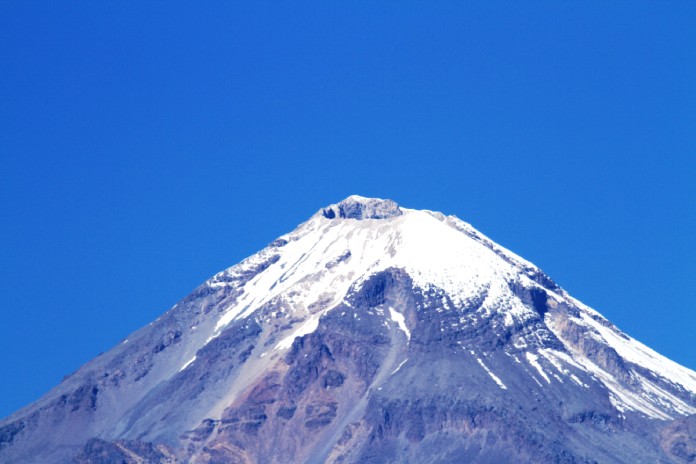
[(372, 333)]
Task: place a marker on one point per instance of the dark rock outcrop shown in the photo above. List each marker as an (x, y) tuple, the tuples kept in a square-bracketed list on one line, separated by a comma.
[(362, 208)]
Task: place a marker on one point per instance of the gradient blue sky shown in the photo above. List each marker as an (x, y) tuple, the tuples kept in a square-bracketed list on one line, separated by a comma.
[(146, 146)]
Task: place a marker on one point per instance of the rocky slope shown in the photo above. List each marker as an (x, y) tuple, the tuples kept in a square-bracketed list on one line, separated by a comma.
[(372, 333)]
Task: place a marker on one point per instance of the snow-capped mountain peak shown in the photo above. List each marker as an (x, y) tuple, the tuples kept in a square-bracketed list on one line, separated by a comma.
[(365, 333)]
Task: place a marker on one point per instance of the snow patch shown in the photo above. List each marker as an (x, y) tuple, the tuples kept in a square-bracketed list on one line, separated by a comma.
[(399, 366), (532, 358), (622, 398), (400, 320), (187, 363), (307, 327), (493, 376), (556, 358)]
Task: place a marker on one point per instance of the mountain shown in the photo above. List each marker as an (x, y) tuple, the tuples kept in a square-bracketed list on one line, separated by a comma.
[(372, 333)]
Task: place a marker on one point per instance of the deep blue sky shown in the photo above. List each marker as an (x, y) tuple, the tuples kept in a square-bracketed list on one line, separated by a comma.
[(146, 146)]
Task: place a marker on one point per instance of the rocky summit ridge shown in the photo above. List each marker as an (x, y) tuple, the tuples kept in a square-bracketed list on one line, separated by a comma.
[(372, 333)]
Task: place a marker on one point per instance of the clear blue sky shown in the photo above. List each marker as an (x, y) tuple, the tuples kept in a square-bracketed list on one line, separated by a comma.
[(146, 146)]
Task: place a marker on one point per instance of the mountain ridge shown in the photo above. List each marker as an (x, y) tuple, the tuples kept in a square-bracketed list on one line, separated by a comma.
[(362, 294)]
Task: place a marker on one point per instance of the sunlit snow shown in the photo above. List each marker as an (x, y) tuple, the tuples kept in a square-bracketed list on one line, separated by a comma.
[(493, 376), (323, 258), (400, 320)]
